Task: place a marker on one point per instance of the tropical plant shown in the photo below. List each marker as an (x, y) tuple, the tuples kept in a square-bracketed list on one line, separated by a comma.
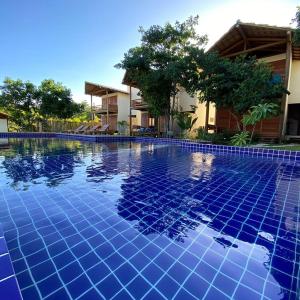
[(185, 121), (202, 134), (240, 139), (258, 113), (157, 64)]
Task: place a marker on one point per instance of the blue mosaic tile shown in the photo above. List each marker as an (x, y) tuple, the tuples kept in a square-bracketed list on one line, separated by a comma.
[(128, 218), (9, 288)]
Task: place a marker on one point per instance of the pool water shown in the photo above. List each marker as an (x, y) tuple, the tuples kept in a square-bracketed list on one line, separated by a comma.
[(143, 221)]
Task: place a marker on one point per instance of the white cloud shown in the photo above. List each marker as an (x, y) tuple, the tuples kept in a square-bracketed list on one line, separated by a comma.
[(219, 19)]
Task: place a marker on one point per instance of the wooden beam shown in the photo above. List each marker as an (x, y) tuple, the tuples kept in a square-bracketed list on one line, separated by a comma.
[(256, 48), (231, 47), (243, 35), (264, 39), (285, 102)]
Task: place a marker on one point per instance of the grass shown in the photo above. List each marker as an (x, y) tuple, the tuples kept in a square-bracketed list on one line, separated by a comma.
[(285, 147)]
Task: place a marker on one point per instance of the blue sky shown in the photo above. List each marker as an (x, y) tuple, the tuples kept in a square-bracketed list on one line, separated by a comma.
[(72, 41)]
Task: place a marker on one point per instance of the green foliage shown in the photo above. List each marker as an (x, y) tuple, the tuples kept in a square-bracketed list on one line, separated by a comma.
[(158, 63), (240, 139), (203, 135), (185, 121), (19, 100), (27, 105), (296, 38), (56, 100), (215, 137), (260, 112), (84, 115), (237, 84)]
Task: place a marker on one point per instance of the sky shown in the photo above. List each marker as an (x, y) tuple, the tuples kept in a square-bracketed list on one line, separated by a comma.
[(73, 41)]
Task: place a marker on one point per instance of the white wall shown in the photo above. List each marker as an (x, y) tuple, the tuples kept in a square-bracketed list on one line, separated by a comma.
[(294, 88), (123, 107), (272, 58), (3, 125), (185, 100)]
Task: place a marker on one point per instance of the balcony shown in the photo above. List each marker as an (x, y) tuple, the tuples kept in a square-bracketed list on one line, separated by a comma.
[(139, 104), (104, 109)]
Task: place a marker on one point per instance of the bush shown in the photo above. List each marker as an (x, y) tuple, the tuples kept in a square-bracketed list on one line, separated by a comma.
[(240, 139), (222, 138)]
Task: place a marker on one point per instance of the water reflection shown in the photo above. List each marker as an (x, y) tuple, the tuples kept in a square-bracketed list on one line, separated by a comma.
[(243, 201), (51, 161), (244, 205)]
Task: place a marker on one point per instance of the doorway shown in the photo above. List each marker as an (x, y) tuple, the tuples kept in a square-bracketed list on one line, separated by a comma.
[(293, 120)]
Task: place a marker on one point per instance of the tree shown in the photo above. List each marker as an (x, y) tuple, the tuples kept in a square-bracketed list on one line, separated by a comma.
[(156, 66), (56, 100), (297, 31), (19, 100), (235, 84)]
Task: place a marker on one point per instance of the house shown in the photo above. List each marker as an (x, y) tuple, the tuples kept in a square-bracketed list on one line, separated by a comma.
[(3, 122), (273, 45), (140, 115), (115, 105)]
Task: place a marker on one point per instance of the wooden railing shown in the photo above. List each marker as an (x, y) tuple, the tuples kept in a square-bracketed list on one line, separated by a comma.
[(102, 109), (139, 104)]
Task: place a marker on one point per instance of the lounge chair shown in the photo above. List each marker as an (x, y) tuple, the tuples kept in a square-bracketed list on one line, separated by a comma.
[(103, 129), (83, 129), (93, 129), (74, 130)]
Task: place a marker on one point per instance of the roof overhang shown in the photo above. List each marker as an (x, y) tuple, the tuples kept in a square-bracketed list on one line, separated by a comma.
[(99, 90), (255, 39), (3, 115), (127, 81)]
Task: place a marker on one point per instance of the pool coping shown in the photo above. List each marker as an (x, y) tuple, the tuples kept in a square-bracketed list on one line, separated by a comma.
[(287, 155), (9, 287)]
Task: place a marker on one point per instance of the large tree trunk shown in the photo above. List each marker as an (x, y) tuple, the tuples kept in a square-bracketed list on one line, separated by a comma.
[(172, 112), (237, 121)]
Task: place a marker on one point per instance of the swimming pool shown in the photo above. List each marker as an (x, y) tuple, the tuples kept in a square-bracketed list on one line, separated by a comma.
[(143, 221)]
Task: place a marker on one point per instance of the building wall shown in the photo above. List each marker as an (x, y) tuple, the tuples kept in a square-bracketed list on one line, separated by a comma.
[(200, 114), (123, 107), (3, 125), (294, 89), (185, 101)]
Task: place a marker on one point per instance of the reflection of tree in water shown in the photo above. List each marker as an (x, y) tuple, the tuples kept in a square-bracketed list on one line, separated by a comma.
[(28, 160), (111, 161), (46, 146), (168, 198)]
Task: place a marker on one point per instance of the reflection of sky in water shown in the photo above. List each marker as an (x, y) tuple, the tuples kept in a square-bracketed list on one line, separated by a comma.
[(237, 218)]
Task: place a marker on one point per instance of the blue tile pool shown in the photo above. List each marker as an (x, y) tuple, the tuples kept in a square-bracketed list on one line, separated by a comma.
[(86, 220)]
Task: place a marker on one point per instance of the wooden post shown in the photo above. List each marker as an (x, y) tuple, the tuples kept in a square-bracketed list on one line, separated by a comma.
[(285, 102), (206, 116), (107, 112), (130, 111), (92, 115)]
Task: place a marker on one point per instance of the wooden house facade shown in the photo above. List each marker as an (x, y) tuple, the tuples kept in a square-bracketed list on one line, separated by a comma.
[(274, 46)]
